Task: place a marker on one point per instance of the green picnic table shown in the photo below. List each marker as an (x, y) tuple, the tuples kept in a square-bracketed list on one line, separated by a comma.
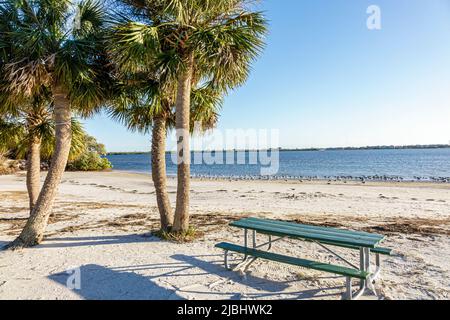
[(325, 237)]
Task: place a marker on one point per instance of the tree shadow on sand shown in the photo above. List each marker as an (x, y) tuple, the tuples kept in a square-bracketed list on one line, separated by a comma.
[(68, 242), (273, 288), (218, 269), (3, 244), (98, 282), (101, 283)]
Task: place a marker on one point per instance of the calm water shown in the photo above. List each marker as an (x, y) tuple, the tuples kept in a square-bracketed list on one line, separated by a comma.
[(376, 164)]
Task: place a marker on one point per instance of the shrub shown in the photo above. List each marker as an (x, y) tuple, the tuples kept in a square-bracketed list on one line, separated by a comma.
[(92, 158), (89, 161), (7, 166)]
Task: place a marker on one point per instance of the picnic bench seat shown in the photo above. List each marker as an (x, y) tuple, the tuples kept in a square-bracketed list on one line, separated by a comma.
[(349, 272), (365, 242)]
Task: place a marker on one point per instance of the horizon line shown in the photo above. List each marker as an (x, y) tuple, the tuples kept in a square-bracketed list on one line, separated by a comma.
[(376, 147)]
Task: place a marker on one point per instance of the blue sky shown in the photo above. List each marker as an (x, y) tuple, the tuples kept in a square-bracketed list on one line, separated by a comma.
[(325, 80)]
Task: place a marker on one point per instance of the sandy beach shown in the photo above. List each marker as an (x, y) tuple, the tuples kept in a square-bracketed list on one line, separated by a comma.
[(102, 224)]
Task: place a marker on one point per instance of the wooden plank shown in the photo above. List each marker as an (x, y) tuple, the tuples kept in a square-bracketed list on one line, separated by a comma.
[(277, 231), (318, 228), (344, 271)]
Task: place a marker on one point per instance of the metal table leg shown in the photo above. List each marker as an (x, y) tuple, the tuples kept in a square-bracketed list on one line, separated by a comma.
[(362, 266), (248, 262), (348, 286), (367, 260), (245, 242), (226, 261), (377, 271), (244, 260)]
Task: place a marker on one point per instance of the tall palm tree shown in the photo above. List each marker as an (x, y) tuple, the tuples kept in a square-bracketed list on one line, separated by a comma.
[(141, 108), (66, 58), (190, 42), (146, 107)]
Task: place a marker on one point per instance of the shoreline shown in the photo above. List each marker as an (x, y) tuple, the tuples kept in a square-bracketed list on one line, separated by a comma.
[(293, 179), (361, 180)]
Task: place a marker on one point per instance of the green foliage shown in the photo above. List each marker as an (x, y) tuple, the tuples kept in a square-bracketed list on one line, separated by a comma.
[(16, 133), (12, 135), (89, 161), (86, 154), (151, 43), (224, 37), (91, 158), (56, 45), (46, 45), (6, 165)]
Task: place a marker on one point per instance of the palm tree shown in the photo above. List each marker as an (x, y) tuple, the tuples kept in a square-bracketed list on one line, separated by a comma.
[(30, 134), (144, 106), (65, 58), (189, 42)]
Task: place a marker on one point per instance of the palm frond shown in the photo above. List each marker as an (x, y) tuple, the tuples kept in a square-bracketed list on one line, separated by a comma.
[(134, 45), (25, 77), (226, 50), (11, 134), (223, 36), (90, 17), (39, 50), (136, 109), (206, 104)]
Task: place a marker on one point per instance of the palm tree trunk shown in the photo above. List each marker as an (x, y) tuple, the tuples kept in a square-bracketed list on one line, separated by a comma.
[(183, 103), (159, 172), (33, 232), (34, 170)]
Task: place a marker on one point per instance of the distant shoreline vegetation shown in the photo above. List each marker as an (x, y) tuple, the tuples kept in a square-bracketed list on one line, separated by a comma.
[(427, 146)]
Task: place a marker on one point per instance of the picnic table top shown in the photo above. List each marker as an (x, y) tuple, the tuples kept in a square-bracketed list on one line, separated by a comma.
[(328, 235)]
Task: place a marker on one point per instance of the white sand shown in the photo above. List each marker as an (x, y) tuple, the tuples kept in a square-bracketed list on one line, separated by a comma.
[(102, 220)]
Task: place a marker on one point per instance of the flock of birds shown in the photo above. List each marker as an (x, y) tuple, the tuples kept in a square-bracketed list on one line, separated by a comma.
[(330, 179)]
